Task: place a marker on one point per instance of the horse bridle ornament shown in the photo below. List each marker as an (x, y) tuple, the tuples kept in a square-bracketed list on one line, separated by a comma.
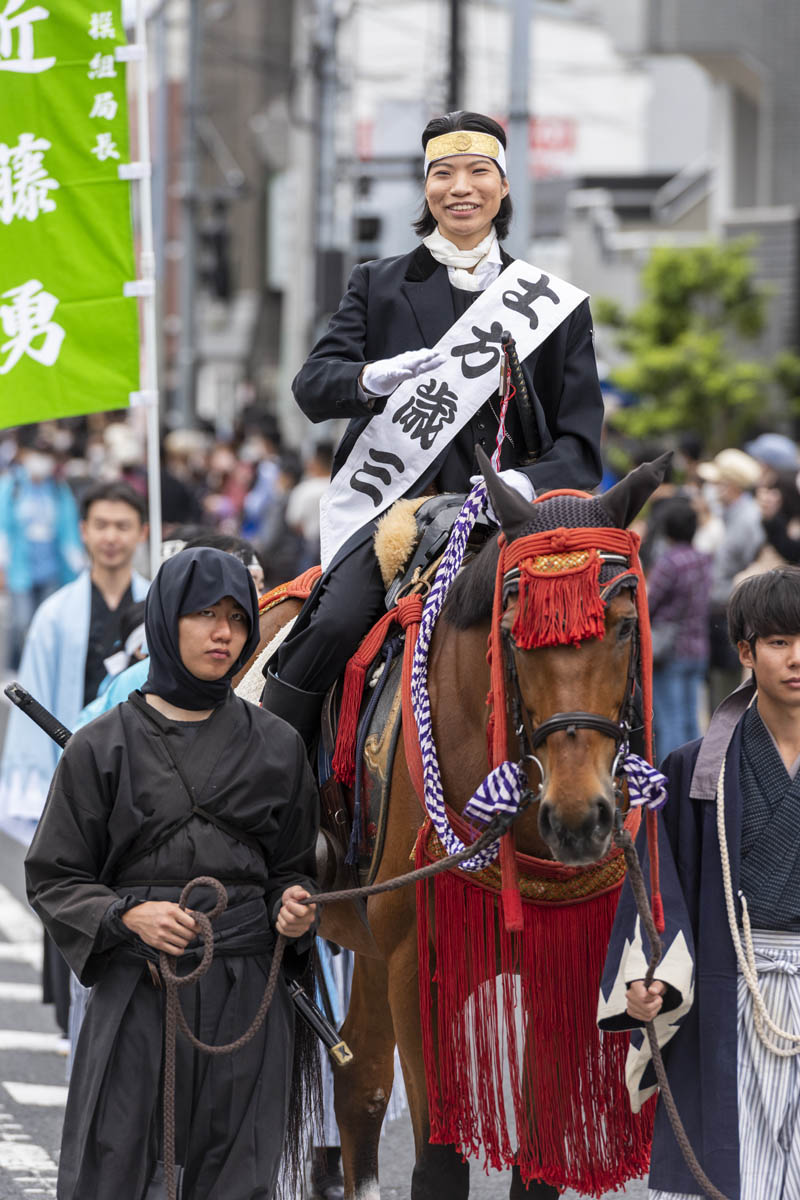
[(530, 740), (561, 601)]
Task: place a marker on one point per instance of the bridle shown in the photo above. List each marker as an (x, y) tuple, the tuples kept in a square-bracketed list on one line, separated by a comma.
[(570, 722)]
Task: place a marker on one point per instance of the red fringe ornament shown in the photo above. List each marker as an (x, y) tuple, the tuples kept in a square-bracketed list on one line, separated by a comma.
[(559, 608), (574, 1125)]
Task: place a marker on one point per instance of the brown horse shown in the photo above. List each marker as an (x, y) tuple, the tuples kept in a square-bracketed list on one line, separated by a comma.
[(571, 822)]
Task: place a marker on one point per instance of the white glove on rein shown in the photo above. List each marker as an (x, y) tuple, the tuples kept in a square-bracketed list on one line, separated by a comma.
[(518, 480), (382, 377)]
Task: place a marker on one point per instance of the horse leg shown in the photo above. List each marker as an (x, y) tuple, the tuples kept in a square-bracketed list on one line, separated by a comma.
[(439, 1171), (363, 1087)]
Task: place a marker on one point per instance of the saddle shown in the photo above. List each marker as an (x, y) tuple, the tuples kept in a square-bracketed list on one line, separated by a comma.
[(410, 540)]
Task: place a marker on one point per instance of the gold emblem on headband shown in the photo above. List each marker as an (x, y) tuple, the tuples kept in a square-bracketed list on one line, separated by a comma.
[(463, 142)]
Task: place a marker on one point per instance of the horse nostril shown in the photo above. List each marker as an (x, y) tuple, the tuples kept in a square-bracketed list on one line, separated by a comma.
[(603, 817), (545, 821)]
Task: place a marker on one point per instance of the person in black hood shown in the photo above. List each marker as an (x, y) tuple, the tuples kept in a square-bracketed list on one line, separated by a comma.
[(183, 779)]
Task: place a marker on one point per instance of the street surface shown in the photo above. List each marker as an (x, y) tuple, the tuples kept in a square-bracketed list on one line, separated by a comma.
[(33, 1064)]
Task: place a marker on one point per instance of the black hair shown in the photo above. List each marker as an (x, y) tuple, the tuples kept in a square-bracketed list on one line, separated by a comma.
[(678, 520), (786, 483), (451, 123), (765, 605), (239, 547), (116, 490)]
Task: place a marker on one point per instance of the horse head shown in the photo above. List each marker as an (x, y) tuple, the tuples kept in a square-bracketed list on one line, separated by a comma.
[(569, 606)]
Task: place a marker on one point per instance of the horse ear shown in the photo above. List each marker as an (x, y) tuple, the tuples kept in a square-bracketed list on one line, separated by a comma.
[(512, 511), (625, 499)]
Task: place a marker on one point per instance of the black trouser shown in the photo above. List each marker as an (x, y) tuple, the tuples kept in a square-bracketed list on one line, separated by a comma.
[(339, 612)]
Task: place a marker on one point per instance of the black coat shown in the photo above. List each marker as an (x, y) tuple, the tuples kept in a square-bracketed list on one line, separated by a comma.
[(406, 303), (118, 828)]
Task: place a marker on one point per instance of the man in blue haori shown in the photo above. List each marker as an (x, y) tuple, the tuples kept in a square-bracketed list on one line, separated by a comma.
[(726, 997)]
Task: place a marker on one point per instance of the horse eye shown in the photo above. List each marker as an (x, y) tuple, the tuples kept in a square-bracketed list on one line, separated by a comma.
[(626, 628)]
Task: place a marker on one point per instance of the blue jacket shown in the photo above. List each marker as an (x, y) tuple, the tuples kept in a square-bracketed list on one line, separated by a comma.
[(16, 488), (52, 670)]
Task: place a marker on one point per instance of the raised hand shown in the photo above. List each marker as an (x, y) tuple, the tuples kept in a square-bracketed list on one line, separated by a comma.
[(382, 377)]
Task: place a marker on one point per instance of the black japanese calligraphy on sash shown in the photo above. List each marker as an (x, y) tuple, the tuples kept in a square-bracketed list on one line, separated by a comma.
[(425, 414), (523, 302), (377, 471), (483, 354)]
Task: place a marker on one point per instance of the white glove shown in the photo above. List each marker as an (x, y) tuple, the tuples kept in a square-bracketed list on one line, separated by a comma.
[(382, 377), (518, 480)]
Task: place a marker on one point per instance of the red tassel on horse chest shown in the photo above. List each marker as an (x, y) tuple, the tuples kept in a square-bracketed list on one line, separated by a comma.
[(559, 607)]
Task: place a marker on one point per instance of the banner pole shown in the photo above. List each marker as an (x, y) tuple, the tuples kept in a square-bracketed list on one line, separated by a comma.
[(147, 271)]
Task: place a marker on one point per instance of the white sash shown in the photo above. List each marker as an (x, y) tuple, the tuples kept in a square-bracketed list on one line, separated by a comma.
[(424, 414)]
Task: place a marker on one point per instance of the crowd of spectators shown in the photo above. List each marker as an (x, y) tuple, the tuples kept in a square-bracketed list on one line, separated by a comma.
[(248, 485), (717, 519)]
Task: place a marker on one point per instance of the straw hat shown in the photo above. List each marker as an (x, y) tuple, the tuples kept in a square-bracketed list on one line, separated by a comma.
[(731, 466)]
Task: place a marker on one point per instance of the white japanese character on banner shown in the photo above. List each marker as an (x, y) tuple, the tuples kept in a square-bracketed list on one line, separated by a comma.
[(27, 323), (105, 147), (101, 66), (104, 106), (24, 182), (25, 60), (101, 25)]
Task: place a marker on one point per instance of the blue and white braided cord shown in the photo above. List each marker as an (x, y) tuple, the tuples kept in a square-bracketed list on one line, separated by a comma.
[(502, 789)]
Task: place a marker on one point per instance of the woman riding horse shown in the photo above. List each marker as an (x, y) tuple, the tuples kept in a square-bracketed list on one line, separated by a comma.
[(393, 310)]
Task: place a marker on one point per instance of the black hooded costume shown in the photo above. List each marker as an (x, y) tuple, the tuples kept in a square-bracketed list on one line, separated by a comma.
[(119, 828)]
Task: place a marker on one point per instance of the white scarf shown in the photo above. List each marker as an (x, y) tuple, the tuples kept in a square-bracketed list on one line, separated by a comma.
[(485, 258)]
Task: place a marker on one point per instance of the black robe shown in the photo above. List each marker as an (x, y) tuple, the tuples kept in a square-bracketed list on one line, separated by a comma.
[(119, 828)]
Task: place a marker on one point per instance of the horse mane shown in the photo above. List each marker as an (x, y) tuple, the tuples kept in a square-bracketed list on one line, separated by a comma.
[(469, 601)]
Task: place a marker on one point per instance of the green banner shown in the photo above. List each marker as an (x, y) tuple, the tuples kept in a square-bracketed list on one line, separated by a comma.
[(69, 338)]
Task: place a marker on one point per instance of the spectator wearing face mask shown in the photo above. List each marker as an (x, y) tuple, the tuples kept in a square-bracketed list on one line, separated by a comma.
[(40, 540)]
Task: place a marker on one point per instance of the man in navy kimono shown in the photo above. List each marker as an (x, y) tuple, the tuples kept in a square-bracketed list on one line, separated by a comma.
[(736, 1081)]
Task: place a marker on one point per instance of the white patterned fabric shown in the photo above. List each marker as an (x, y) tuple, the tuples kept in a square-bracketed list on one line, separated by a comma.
[(768, 1086)]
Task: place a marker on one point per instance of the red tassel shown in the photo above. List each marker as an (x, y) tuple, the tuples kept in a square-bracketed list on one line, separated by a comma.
[(509, 883), (344, 759), (408, 614), (559, 609), (656, 903), (560, 1068)]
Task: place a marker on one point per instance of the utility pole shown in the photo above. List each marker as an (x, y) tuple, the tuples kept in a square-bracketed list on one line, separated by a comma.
[(456, 68), (519, 152), (187, 347), (325, 69)]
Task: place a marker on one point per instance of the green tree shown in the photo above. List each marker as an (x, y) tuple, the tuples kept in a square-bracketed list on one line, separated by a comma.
[(684, 347)]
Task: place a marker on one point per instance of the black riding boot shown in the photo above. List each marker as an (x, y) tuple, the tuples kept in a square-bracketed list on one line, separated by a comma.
[(301, 709)]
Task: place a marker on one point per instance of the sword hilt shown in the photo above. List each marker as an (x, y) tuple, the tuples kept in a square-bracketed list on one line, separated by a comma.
[(38, 714)]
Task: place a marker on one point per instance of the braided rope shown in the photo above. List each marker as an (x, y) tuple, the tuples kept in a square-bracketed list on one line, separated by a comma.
[(744, 953), (508, 785), (174, 1018)]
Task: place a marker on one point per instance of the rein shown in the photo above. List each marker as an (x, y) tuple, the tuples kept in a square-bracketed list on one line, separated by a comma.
[(174, 1017), (625, 842)]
